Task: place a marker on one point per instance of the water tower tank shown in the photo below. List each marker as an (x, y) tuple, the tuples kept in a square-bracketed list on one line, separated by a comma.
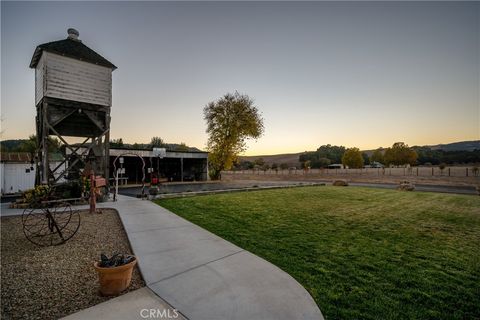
[(73, 97)]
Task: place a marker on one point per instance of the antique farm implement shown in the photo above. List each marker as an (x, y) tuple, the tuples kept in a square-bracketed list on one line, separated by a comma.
[(50, 222)]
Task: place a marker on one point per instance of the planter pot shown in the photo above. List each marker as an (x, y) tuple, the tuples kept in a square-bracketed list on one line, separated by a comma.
[(116, 279)]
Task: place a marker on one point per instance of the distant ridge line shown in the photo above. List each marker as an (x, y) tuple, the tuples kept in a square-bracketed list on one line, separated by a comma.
[(292, 158)]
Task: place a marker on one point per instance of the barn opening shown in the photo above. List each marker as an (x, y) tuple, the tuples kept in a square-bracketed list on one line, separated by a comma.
[(173, 166)]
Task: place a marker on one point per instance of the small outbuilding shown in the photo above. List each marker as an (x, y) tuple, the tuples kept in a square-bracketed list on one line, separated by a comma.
[(17, 171)]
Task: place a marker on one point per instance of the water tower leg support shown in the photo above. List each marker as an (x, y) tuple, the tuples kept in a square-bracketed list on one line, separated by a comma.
[(44, 144), (106, 154), (93, 200), (38, 152)]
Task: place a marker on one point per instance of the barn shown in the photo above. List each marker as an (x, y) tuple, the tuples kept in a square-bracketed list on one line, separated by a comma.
[(190, 164), (185, 165)]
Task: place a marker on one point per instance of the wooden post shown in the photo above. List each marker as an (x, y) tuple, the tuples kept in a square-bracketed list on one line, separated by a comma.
[(93, 198), (432, 171), (206, 164), (38, 177), (466, 170), (45, 165), (106, 153), (115, 195), (181, 169), (449, 172)]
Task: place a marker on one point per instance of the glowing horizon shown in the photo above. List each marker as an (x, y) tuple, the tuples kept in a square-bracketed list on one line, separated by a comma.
[(363, 74)]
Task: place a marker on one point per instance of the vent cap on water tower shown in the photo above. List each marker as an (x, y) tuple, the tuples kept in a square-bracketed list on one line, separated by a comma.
[(73, 34), (70, 47)]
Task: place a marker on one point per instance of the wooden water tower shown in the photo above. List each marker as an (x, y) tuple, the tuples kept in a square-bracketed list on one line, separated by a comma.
[(73, 97)]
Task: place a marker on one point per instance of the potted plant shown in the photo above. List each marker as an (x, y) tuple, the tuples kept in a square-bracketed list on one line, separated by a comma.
[(115, 273)]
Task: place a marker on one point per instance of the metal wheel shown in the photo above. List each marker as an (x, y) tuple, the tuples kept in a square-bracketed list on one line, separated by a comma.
[(50, 226)]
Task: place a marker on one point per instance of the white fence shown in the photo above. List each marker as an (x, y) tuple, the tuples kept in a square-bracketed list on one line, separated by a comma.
[(412, 171)]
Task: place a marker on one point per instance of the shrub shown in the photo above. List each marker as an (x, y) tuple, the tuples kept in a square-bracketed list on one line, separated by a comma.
[(406, 186), (36, 194), (352, 158)]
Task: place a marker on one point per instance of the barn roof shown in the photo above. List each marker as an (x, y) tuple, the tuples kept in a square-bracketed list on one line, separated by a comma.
[(25, 157), (21, 157), (73, 49)]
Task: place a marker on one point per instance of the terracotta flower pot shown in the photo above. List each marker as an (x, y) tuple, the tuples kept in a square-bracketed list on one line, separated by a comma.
[(115, 279)]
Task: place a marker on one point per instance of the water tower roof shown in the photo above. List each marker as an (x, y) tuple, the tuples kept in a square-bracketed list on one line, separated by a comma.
[(71, 48)]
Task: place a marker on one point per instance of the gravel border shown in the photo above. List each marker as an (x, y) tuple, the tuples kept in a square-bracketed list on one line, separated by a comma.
[(52, 282)]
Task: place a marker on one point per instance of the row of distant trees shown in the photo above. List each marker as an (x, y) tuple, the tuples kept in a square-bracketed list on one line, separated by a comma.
[(29, 145), (398, 154), (54, 145), (155, 142)]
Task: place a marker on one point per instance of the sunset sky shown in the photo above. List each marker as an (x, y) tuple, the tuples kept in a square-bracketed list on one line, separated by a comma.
[(364, 74)]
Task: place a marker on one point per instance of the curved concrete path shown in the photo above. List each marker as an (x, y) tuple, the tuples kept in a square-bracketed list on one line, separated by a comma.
[(203, 276)]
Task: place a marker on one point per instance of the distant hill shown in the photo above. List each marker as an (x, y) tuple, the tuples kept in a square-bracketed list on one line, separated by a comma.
[(458, 146), (292, 158), (454, 146)]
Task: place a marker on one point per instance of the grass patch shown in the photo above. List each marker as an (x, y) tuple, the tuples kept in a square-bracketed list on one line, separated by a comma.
[(362, 253)]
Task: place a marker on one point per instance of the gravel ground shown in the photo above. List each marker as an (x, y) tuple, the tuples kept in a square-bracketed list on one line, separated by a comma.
[(52, 282)]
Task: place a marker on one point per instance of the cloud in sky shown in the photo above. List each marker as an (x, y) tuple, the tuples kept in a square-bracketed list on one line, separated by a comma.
[(362, 74)]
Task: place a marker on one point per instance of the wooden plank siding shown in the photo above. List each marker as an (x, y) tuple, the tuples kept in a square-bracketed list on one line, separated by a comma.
[(71, 79), (39, 80)]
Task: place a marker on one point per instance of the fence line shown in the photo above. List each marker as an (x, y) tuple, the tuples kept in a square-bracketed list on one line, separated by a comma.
[(412, 171)]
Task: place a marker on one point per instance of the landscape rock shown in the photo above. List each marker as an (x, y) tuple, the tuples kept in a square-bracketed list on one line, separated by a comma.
[(406, 186), (340, 183)]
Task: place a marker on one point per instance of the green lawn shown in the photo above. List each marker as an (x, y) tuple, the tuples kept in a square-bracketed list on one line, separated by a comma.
[(361, 253)]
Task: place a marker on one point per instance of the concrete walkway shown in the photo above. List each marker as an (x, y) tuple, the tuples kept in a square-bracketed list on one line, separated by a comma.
[(203, 276), (197, 274), (139, 304)]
